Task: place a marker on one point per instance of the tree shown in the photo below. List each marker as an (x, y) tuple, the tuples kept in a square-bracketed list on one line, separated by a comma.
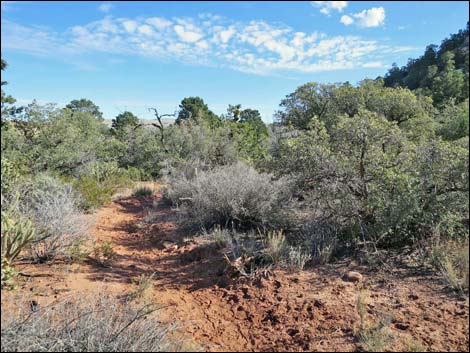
[(453, 120), (329, 102), (249, 130), (123, 120), (194, 108), (85, 105), (441, 72), (306, 102), (7, 101)]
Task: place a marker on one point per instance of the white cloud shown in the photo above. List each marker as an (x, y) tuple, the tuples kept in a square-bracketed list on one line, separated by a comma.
[(106, 7), (145, 29), (327, 7), (373, 17), (159, 22), (226, 35), (202, 44), (346, 20), (130, 25), (186, 34), (257, 47)]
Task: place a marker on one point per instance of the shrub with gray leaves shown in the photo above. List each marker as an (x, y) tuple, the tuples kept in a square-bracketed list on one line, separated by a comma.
[(105, 325), (53, 206), (231, 195)]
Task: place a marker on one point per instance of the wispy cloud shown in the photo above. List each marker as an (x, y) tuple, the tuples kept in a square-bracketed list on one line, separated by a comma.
[(258, 47), (106, 7), (327, 7)]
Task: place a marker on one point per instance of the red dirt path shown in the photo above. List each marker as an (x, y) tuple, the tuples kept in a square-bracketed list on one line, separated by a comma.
[(313, 310)]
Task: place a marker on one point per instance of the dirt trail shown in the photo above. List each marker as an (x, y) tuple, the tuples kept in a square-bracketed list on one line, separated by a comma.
[(312, 310)]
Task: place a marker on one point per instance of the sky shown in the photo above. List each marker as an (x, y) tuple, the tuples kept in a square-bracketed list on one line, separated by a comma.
[(136, 55)]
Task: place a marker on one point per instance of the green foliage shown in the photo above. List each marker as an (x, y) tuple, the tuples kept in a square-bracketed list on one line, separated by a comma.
[(85, 106), (143, 191), (9, 176), (123, 120), (7, 101), (442, 72), (200, 144), (8, 274), (104, 253), (94, 193), (194, 108), (454, 120), (17, 234), (369, 176), (329, 102), (250, 132)]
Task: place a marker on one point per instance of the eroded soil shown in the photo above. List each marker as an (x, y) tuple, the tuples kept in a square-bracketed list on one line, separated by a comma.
[(312, 310)]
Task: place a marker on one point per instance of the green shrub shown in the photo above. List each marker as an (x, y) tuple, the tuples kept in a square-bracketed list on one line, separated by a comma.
[(94, 193), (9, 176), (104, 253), (136, 174), (143, 191), (97, 193)]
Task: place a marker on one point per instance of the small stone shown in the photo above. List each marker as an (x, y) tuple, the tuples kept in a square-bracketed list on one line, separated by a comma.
[(402, 326), (353, 276)]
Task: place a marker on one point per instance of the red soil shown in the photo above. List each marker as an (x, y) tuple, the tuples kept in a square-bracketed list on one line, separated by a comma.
[(313, 310)]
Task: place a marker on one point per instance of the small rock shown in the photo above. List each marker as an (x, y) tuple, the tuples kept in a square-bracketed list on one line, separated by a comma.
[(402, 326), (318, 303), (353, 276), (413, 297)]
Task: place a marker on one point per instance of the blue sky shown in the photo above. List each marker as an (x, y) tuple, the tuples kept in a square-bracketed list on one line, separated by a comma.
[(136, 55)]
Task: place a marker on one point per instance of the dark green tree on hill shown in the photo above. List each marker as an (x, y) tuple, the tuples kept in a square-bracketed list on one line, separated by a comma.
[(85, 105), (194, 108)]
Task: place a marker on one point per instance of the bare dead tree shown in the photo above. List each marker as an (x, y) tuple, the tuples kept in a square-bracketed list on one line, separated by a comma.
[(159, 126)]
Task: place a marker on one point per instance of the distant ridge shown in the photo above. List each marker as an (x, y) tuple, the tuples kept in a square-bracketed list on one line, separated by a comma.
[(165, 121)]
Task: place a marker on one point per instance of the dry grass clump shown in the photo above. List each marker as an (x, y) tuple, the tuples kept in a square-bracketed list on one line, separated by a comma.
[(144, 286), (321, 238), (373, 337), (451, 259), (275, 246), (297, 258), (105, 325)]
